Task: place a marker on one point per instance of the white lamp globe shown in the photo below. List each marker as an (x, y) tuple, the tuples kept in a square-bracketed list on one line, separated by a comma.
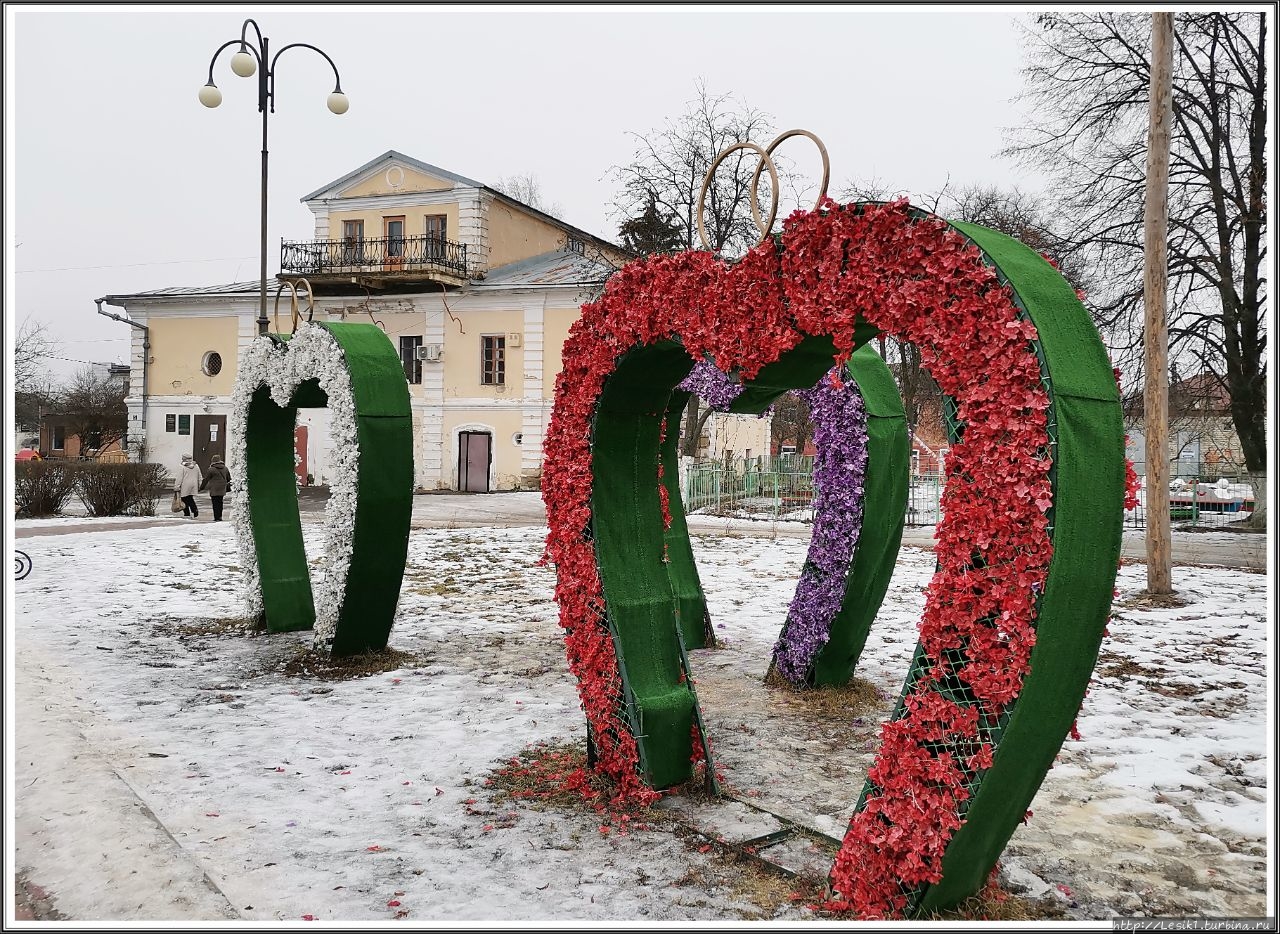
[(338, 102), (242, 63), (210, 96)]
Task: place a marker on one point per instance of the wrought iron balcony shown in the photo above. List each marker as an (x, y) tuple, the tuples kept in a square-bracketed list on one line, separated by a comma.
[(396, 257)]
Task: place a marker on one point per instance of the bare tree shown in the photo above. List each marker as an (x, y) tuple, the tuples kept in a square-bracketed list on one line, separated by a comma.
[(666, 172), (30, 346), (792, 423), (1087, 81), (527, 189), (92, 407), (32, 389)]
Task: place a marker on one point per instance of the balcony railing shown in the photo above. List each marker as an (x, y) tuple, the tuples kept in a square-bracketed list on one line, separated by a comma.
[(373, 255)]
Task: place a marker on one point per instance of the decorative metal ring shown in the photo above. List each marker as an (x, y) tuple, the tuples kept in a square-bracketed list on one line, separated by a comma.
[(755, 179), (295, 314), (762, 225), (706, 183), (311, 301), (23, 564), (293, 305)]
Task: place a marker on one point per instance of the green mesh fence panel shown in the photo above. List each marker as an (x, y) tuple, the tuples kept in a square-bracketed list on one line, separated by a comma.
[(383, 505)]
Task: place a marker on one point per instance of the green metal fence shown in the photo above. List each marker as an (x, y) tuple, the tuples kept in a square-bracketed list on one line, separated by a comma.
[(780, 488), (1200, 499)]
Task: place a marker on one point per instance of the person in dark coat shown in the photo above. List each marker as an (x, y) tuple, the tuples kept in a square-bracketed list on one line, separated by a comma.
[(217, 481)]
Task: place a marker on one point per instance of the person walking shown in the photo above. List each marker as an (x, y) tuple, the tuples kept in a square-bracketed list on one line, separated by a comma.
[(217, 481), (186, 484)]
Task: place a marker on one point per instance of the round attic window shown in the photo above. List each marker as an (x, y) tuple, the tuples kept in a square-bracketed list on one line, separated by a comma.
[(211, 365)]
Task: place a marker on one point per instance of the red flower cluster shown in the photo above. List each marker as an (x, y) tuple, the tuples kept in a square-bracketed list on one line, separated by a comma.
[(915, 278)]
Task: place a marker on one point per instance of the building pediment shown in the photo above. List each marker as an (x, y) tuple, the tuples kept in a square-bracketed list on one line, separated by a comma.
[(392, 173)]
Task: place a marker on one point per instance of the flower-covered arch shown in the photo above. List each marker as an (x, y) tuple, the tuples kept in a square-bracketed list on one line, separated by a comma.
[(1027, 550), (355, 372)]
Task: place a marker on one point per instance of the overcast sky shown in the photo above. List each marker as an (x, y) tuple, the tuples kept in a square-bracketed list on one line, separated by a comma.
[(118, 180)]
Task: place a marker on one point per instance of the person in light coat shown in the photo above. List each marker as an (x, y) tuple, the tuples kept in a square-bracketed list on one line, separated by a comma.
[(217, 481), (185, 485)]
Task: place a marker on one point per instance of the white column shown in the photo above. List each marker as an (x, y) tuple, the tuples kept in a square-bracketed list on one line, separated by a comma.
[(432, 468), (536, 409), (473, 230)]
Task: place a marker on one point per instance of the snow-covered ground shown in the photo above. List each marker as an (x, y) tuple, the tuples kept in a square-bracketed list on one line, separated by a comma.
[(363, 799)]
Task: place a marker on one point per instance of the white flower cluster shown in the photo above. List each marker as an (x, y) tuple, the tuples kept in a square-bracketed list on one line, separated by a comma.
[(312, 353)]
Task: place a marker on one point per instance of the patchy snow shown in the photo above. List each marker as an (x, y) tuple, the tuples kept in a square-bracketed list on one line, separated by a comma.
[(298, 796)]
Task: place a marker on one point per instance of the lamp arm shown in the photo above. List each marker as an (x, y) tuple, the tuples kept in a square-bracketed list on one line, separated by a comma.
[(337, 81), (245, 27), (213, 61)]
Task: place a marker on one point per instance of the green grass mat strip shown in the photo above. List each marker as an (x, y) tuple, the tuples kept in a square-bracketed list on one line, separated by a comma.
[(627, 523)]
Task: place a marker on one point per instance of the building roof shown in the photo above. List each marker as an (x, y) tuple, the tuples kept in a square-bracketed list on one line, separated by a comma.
[(559, 267), (389, 156), (179, 291)]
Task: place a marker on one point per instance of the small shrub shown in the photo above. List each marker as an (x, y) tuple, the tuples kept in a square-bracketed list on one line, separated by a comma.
[(42, 488), (118, 489)]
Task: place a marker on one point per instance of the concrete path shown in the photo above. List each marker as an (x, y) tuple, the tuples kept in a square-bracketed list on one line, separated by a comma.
[(70, 787), (516, 510)]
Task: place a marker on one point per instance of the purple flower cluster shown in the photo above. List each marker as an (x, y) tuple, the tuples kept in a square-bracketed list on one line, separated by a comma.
[(840, 435), (712, 386)]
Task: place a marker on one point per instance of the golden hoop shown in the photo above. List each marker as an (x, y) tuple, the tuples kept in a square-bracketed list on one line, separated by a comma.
[(706, 183), (755, 179), (293, 306), (311, 301), (295, 315)]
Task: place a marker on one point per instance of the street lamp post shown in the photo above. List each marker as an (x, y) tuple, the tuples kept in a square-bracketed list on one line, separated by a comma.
[(245, 63)]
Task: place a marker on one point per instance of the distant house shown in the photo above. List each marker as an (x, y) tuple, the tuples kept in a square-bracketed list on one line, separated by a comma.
[(58, 439), (1202, 435)]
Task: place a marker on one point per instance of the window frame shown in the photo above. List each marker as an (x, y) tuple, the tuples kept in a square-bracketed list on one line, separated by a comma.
[(498, 371), (411, 364)]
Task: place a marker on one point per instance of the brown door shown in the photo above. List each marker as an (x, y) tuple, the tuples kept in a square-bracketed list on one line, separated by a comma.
[(393, 231), (474, 449), (208, 437), (300, 449)]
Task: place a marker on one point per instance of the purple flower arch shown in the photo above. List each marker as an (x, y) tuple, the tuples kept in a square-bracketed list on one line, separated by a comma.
[(839, 473)]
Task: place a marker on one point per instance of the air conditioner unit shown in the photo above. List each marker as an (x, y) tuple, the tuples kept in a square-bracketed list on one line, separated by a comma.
[(429, 352)]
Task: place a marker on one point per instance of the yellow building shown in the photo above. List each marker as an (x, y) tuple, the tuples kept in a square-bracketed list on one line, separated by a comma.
[(475, 289)]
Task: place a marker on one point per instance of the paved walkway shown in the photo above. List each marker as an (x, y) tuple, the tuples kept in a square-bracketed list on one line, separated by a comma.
[(516, 510)]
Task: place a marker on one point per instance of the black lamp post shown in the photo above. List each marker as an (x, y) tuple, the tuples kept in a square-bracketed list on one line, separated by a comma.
[(244, 63)]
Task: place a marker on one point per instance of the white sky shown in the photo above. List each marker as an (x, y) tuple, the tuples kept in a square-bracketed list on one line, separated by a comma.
[(112, 163)]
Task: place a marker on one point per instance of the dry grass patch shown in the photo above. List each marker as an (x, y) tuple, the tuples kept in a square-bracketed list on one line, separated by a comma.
[(313, 663), (857, 698), (188, 628)]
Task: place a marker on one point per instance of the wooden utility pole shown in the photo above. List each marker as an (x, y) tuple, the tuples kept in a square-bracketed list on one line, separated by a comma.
[(1155, 290)]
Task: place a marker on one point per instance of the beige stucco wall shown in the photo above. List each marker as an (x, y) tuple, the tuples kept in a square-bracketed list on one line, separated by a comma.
[(377, 184), (555, 329), (514, 235), (740, 434), (462, 355), (178, 346), (504, 424), (415, 224)]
